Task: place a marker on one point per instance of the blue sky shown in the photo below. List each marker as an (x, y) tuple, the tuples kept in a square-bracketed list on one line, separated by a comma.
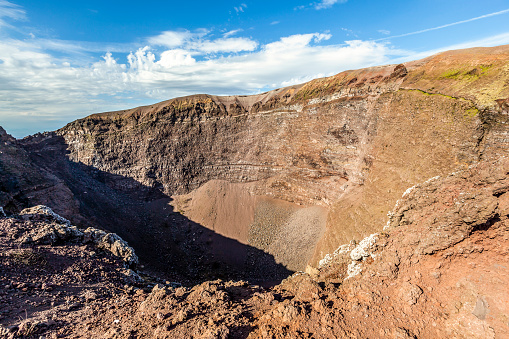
[(63, 60)]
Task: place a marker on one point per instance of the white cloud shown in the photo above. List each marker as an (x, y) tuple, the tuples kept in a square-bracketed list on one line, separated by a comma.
[(496, 40), (40, 90), (322, 4), (172, 38), (79, 48), (240, 9), (349, 32), (327, 3), (384, 31), (142, 60), (295, 42), (199, 42), (176, 57), (236, 74), (232, 32), (10, 11), (50, 91), (225, 45)]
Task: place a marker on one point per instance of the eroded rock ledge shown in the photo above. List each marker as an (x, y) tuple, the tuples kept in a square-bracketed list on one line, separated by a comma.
[(58, 230)]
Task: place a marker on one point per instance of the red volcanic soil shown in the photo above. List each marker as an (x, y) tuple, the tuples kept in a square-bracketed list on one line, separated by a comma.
[(439, 269)]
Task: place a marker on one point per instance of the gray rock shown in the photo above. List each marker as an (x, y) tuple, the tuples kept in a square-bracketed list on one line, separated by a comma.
[(118, 247), (4, 331), (60, 230), (93, 235), (5, 137), (481, 309), (131, 277), (41, 212), (53, 233)]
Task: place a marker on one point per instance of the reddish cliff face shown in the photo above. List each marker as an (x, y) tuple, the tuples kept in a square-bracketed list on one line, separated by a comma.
[(299, 170)]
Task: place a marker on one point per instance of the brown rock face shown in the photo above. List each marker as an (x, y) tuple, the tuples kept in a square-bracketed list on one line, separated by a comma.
[(23, 183), (434, 272), (292, 173)]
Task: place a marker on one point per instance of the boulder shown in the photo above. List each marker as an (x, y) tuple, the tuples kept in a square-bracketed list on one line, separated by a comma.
[(41, 212), (118, 247)]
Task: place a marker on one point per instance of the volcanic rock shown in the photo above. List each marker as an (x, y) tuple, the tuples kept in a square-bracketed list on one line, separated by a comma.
[(209, 189)]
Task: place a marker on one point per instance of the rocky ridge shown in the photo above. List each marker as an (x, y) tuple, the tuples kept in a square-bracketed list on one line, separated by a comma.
[(325, 160)]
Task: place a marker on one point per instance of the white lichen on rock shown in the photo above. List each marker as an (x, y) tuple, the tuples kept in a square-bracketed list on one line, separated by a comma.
[(50, 234), (331, 257), (365, 247), (368, 245), (386, 227), (392, 214), (360, 253), (119, 247), (357, 254), (408, 190), (93, 235), (354, 268)]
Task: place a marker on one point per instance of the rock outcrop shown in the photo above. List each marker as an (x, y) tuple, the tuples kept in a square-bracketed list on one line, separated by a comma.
[(442, 254), (436, 269), (58, 230)]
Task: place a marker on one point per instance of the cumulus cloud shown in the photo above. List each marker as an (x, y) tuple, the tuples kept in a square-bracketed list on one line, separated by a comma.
[(31, 79), (176, 57), (41, 91), (270, 66)]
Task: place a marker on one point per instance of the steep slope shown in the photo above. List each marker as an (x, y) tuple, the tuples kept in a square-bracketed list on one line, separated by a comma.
[(23, 183), (437, 270), (291, 173)]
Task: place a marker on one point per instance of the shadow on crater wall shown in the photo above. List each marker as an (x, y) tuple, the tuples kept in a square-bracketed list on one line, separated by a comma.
[(169, 244)]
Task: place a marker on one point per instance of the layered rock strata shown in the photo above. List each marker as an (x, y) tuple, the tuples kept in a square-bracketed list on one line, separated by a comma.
[(296, 171)]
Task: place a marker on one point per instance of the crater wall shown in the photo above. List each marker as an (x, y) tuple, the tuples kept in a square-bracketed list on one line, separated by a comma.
[(297, 171)]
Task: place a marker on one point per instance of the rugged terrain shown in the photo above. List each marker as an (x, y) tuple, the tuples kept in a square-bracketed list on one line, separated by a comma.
[(438, 269), (254, 188), (309, 166)]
